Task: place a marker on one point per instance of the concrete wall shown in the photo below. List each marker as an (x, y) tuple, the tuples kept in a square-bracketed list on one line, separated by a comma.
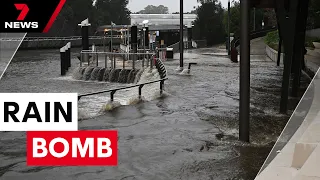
[(273, 55)]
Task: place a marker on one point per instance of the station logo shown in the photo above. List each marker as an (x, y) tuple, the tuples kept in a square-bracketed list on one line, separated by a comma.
[(28, 15), (20, 23)]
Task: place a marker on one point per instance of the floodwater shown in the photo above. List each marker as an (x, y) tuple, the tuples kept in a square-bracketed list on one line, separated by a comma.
[(188, 133), (8, 48)]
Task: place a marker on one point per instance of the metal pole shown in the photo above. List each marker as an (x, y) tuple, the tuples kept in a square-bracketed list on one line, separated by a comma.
[(144, 45), (111, 45), (279, 51), (254, 19), (229, 28), (244, 108), (104, 50), (114, 61), (128, 33), (62, 61), (181, 34)]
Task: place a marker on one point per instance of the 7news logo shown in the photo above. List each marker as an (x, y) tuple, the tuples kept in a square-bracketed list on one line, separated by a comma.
[(20, 23), (29, 15)]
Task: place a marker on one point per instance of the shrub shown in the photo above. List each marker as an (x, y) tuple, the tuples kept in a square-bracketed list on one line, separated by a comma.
[(272, 40)]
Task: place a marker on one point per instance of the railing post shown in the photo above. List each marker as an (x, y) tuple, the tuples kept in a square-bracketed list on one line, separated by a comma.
[(87, 55), (114, 60), (81, 58), (161, 87), (123, 64), (140, 90), (133, 61), (105, 50), (97, 55), (148, 59), (112, 95), (143, 61)]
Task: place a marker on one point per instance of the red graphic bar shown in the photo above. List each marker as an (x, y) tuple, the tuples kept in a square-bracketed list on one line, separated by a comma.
[(54, 16), (72, 148)]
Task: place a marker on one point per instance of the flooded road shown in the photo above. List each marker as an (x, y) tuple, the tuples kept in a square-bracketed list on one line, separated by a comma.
[(188, 133)]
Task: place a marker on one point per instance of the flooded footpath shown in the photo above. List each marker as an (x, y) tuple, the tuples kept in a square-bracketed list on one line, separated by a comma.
[(190, 132)]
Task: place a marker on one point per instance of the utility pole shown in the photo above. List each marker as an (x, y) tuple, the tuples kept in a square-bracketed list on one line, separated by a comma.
[(244, 107)]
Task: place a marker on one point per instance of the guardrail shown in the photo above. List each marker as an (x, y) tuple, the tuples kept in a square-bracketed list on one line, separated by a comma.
[(255, 34), (56, 38), (188, 45), (113, 91)]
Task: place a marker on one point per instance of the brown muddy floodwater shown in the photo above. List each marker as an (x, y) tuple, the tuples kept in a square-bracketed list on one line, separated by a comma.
[(188, 133)]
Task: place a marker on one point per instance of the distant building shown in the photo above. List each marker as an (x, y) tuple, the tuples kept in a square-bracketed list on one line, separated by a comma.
[(167, 25), (162, 19), (161, 27)]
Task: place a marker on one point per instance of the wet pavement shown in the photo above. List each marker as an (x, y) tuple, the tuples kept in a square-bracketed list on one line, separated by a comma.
[(188, 133)]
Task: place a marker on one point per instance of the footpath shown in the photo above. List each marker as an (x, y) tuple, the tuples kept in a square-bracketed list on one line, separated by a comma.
[(300, 157)]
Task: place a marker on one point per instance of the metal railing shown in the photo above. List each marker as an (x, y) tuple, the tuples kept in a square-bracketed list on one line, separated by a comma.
[(253, 35), (113, 91), (85, 56), (176, 46), (56, 38)]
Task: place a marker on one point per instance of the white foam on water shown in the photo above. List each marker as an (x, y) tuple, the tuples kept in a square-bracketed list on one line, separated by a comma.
[(185, 72), (94, 105)]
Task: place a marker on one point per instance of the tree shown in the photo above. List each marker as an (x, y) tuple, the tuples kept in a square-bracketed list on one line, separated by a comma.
[(314, 14), (235, 19), (112, 10), (208, 24), (99, 12), (150, 9)]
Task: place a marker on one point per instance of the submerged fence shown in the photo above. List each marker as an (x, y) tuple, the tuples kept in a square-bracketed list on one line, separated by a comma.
[(85, 56), (113, 91)]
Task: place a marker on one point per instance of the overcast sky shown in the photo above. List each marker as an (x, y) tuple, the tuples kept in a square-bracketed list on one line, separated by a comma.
[(173, 5)]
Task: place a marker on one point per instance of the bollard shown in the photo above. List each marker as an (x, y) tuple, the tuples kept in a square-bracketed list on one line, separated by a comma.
[(69, 54), (140, 91), (161, 87), (67, 60), (62, 61), (85, 38), (66, 64)]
